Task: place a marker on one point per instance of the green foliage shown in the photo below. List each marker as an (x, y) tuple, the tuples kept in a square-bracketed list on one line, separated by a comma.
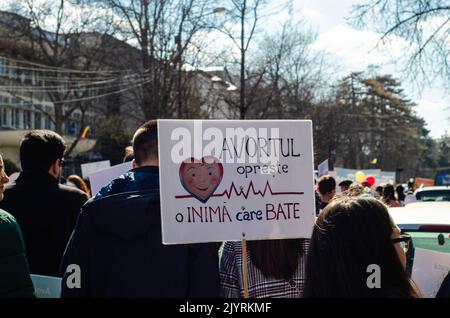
[(444, 151), (112, 138)]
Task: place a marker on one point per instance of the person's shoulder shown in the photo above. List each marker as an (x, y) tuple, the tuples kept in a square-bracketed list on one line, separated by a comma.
[(232, 247), (72, 192), (116, 186), (10, 234), (6, 218)]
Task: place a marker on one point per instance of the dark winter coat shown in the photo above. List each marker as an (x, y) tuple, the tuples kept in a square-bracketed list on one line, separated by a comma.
[(117, 245), (46, 212)]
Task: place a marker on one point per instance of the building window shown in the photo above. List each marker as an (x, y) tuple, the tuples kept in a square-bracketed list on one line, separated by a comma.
[(16, 118), (27, 119), (37, 121), (34, 77), (13, 117), (73, 128), (48, 123), (4, 117)]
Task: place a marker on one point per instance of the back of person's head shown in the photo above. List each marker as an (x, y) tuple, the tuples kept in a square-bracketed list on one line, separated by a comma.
[(355, 189), (345, 184), (145, 143), (39, 149), (326, 184), (388, 193), (129, 155), (79, 183), (400, 192), (350, 234), (276, 258)]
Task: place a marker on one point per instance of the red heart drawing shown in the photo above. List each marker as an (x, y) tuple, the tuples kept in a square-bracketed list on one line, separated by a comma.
[(201, 177)]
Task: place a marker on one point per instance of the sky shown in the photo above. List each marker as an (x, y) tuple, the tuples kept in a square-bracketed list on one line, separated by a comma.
[(352, 50), (355, 49)]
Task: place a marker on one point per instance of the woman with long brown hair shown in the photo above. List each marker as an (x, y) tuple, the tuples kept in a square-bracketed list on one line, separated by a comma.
[(352, 237)]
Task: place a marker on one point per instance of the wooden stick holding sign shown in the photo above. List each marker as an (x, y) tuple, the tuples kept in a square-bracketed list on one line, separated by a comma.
[(244, 265)]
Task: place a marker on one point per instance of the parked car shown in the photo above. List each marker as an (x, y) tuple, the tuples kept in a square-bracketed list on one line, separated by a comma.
[(427, 222), (436, 193)]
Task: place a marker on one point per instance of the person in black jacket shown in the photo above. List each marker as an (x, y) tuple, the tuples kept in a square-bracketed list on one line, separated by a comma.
[(45, 210), (116, 249)]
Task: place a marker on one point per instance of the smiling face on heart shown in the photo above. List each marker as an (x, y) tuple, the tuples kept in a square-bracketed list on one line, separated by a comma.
[(201, 177)]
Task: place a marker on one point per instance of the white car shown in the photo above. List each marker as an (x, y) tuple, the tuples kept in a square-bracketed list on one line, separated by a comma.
[(436, 193), (427, 222)]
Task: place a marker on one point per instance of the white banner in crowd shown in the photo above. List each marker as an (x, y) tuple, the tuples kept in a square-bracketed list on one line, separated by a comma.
[(101, 178), (46, 286), (322, 168), (386, 177), (89, 168), (429, 270), (349, 174), (246, 177)]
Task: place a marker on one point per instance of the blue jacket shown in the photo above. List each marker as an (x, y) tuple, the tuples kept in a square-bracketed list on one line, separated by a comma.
[(117, 245)]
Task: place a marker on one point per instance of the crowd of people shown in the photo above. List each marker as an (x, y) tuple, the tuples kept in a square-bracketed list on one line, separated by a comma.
[(115, 240)]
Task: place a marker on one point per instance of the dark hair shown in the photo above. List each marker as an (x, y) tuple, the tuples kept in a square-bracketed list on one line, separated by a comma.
[(400, 192), (345, 183), (129, 155), (79, 183), (388, 193), (276, 258), (350, 234), (39, 149), (145, 142), (326, 184)]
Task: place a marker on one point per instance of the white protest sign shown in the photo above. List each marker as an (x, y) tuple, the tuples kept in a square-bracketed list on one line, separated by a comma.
[(247, 177), (322, 168), (101, 178), (46, 286), (429, 270), (89, 168)]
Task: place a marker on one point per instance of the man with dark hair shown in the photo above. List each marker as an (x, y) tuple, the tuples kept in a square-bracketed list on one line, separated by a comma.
[(117, 243), (327, 190), (345, 185), (45, 210)]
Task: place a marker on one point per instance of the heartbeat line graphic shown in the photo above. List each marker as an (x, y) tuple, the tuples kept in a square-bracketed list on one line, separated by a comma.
[(243, 193)]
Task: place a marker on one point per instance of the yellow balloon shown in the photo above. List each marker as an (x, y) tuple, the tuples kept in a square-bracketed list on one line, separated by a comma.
[(360, 176)]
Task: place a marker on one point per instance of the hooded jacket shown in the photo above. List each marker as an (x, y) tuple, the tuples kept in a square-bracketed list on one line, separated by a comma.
[(117, 245)]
